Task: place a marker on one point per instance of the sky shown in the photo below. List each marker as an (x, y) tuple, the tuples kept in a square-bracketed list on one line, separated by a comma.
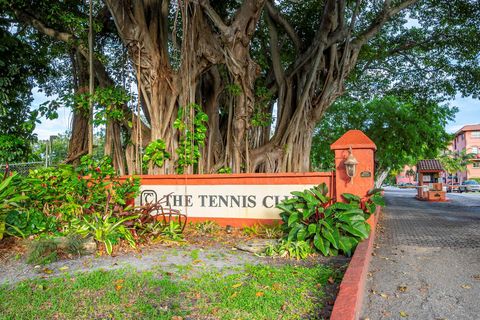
[(469, 113)]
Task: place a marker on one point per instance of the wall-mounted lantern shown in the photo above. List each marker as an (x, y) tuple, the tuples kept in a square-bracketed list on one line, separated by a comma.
[(351, 165)]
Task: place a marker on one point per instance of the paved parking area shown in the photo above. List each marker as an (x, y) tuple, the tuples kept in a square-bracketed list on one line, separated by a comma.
[(426, 262)]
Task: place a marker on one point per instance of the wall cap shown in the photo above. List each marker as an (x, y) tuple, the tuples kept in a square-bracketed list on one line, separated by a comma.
[(355, 139)]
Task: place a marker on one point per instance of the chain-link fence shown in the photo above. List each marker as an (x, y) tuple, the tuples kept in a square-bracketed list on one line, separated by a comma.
[(21, 168)]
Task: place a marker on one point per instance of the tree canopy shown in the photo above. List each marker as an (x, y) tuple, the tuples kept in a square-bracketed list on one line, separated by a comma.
[(403, 131), (264, 72), (18, 66)]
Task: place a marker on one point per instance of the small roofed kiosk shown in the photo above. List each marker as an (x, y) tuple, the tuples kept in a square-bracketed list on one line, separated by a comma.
[(429, 188)]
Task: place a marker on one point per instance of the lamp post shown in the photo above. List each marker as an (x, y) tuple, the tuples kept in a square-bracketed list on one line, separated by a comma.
[(351, 165)]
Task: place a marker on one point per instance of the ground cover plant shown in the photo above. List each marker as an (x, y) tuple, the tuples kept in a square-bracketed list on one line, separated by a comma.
[(253, 292)]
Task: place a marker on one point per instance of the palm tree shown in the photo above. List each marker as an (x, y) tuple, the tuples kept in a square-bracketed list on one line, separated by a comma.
[(453, 161)]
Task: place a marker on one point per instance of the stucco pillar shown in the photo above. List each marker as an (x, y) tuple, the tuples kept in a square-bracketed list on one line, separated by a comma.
[(363, 149)]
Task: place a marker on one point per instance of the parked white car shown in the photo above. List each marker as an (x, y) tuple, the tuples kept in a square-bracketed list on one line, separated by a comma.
[(469, 186)]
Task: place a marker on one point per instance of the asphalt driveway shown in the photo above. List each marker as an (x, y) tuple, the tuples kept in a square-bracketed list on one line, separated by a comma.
[(426, 262)]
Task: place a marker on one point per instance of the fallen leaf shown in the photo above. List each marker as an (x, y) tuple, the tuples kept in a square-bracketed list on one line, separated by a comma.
[(236, 285), (119, 284), (384, 295), (403, 314), (476, 277), (233, 295), (330, 280), (284, 307), (177, 318), (47, 271), (259, 294), (402, 288), (466, 286), (197, 261), (63, 268)]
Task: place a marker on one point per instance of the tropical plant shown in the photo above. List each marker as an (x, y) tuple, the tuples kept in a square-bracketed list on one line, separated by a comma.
[(454, 162), (107, 228), (287, 248), (89, 199), (173, 231), (155, 154), (9, 198), (329, 228), (191, 122)]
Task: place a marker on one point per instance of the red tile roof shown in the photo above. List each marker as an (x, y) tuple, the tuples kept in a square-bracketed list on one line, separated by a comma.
[(429, 165), (468, 127)]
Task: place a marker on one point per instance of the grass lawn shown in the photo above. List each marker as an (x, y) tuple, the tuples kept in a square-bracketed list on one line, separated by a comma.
[(252, 292)]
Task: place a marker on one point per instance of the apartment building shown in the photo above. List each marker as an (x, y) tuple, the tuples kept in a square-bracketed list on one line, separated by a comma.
[(468, 138)]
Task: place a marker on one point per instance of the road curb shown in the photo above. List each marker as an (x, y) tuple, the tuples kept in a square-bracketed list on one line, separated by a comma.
[(348, 305)]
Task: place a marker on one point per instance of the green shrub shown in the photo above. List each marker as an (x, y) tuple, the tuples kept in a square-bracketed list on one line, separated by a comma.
[(330, 229), (89, 200), (172, 231), (286, 248), (9, 199)]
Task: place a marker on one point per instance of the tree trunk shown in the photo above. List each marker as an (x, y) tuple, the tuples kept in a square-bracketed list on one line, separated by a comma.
[(78, 145), (381, 176)]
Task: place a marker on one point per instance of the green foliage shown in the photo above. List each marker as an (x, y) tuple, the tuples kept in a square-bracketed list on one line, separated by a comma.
[(262, 116), (107, 227), (155, 153), (453, 161), (172, 231), (88, 200), (309, 217), (404, 131), (107, 102), (192, 124), (18, 64), (287, 248), (9, 199), (225, 170), (234, 89), (253, 230)]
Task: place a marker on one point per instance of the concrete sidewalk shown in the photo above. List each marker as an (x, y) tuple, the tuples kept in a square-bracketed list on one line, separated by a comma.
[(426, 262)]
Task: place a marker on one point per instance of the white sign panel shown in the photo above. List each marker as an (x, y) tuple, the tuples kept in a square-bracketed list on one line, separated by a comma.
[(222, 201)]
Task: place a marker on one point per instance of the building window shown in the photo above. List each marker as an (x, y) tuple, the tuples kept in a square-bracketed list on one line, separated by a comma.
[(476, 164), (475, 134), (475, 150)]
